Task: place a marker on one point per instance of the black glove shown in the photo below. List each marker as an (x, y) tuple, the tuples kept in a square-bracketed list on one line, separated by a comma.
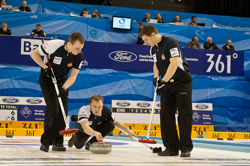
[(48, 72), (154, 81), (161, 87), (62, 90)]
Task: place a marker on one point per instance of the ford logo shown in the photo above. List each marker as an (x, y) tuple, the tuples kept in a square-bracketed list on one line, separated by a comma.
[(201, 106), (159, 105), (34, 101), (142, 104), (10, 100), (123, 104), (122, 56)]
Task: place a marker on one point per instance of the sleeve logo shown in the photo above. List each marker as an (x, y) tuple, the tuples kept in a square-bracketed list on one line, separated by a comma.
[(174, 52)]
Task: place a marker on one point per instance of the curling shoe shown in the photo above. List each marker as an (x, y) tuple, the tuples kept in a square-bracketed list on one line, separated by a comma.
[(87, 146), (185, 153), (44, 147), (72, 141), (58, 147), (168, 152)]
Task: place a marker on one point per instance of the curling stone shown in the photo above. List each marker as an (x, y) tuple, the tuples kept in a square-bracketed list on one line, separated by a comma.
[(100, 147)]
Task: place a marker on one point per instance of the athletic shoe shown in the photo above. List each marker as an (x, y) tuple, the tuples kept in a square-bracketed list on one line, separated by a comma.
[(185, 153), (72, 141), (58, 147), (168, 152), (87, 146), (44, 148)]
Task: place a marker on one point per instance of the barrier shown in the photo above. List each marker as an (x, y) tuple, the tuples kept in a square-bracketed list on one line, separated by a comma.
[(127, 56)]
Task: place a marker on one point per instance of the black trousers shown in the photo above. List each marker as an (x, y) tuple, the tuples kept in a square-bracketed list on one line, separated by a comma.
[(53, 121), (105, 128), (178, 94)]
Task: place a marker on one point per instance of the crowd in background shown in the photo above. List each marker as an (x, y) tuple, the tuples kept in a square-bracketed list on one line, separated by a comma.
[(209, 44)]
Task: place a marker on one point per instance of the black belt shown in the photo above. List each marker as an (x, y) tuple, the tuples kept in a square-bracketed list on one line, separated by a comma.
[(58, 79), (175, 79)]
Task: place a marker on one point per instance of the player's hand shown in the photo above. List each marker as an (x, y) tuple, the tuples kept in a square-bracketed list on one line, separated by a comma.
[(155, 81), (98, 136), (48, 72), (131, 134), (161, 87), (62, 90)]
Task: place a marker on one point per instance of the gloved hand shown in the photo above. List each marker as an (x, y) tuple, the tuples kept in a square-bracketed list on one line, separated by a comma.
[(48, 72), (154, 81), (161, 87), (62, 90)]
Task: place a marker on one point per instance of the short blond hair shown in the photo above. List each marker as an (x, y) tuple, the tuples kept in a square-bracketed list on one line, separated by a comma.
[(96, 98), (76, 36)]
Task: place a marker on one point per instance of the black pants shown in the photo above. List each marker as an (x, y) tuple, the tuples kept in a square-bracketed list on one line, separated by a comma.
[(177, 95), (105, 128), (53, 121)]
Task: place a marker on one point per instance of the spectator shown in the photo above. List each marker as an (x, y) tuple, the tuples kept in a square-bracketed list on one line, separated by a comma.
[(210, 45), (4, 30), (159, 18), (2, 3), (38, 32), (95, 14), (147, 17), (194, 43), (228, 46), (176, 19), (24, 7), (139, 39), (193, 21), (84, 11)]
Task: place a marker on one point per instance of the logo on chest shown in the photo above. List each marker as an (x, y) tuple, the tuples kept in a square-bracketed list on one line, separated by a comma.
[(162, 57), (57, 60), (70, 64)]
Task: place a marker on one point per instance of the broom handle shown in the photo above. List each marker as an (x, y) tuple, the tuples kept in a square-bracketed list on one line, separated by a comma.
[(57, 92), (153, 108), (132, 136)]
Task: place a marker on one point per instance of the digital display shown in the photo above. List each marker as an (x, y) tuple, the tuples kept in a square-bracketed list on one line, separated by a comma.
[(122, 23)]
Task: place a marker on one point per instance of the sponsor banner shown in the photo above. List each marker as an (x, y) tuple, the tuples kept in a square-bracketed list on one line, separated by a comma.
[(200, 129), (202, 106), (27, 45), (15, 108), (24, 132), (202, 113), (31, 113), (153, 133), (21, 132), (216, 62), (124, 110), (22, 124), (227, 135), (129, 57), (22, 100), (134, 104)]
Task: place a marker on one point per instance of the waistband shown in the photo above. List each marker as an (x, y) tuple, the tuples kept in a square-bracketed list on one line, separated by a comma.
[(58, 79), (175, 79)]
